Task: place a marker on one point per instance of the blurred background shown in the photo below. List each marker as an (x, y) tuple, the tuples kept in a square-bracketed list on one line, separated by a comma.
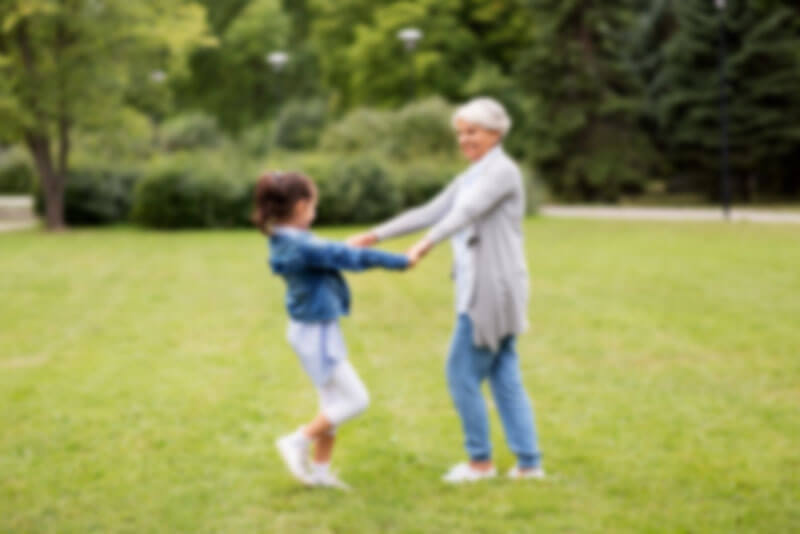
[(164, 112)]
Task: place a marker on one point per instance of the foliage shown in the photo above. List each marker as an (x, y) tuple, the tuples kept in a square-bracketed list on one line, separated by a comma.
[(357, 190), (61, 67), (190, 131), (585, 101), (97, 193), (233, 81), (16, 171), (299, 124), (678, 58), (420, 179), (364, 64), (420, 129), (607, 98), (191, 191), (127, 136), (256, 140), (359, 130)]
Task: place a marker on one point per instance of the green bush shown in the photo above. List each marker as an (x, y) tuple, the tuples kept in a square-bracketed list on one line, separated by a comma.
[(361, 129), (254, 142), (191, 191), (357, 190), (420, 180), (190, 131), (299, 124), (422, 129), (96, 194), (16, 171)]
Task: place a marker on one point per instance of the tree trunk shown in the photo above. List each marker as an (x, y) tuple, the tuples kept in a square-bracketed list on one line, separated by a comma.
[(52, 182), (38, 140)]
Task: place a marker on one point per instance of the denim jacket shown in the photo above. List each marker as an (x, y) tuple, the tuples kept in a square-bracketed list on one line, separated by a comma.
[(316, 290)]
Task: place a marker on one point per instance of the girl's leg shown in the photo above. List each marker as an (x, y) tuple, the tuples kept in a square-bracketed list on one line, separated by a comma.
[(341, 398), (514, 406), (324, 448)]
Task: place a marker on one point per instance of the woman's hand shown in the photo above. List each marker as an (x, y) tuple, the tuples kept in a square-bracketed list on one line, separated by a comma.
[(367, 239), (418, 251)]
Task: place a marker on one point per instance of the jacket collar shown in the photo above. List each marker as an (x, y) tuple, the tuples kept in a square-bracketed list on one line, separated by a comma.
[(289, 231)]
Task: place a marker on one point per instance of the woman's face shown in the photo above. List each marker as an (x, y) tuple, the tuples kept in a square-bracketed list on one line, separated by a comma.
[(474, 140)]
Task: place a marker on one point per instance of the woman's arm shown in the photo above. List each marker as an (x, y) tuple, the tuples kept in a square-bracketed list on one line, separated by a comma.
[(479, 199), (417, 218)]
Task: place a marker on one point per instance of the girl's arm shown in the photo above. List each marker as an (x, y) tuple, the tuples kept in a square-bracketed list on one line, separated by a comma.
[(325, 255)]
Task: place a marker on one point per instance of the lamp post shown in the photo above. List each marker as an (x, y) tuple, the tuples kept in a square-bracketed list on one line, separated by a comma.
[(158, 76), (724, 116), (277, 60), (410, 38)]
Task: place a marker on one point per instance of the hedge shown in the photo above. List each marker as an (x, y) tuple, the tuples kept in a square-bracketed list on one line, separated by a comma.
[(191, 192), (16, 171), (97, 194)]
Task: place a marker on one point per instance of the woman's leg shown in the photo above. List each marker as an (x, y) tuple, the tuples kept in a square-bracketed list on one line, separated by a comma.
[(467, 366), (514, 406)]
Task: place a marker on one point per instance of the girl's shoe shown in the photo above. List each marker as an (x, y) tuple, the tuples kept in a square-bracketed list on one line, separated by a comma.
[(466, 473), (518, 474), (294, 451), (327, 479)]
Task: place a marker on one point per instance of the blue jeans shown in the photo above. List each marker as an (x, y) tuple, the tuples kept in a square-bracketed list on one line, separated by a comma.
[(467, 367)]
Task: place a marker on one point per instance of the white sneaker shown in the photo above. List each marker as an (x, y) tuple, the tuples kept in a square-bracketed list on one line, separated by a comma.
[(466, 473), (515, 473), (294, 451), (328, 479)]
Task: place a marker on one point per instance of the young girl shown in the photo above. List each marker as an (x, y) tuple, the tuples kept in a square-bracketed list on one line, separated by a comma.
[(317, 295)]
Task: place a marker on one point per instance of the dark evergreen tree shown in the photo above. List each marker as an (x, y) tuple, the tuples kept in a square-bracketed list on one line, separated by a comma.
[(584, 136), (677, 52)]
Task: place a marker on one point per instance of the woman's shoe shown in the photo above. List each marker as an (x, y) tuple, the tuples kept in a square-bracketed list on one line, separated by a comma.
[(466, 473), (518, 474)]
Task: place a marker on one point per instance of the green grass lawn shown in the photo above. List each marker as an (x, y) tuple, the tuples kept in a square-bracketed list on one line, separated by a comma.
[(144, 377)]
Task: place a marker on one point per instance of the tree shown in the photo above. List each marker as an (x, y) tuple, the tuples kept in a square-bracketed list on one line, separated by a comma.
[(584, 137), (69, 63), (234, 81), (364, 63), (762, 73)]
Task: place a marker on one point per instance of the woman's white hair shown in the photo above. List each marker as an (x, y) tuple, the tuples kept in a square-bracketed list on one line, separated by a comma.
[(485, 112)]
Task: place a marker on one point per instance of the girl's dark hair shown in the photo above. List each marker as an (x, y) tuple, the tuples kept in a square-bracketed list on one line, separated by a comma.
[(276, 194)]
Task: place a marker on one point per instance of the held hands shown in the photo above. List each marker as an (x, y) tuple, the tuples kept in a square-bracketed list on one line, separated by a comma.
[(414, 254), (418, 251)]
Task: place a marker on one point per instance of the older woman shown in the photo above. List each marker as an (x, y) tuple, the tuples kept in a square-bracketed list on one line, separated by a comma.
[(481, 211)]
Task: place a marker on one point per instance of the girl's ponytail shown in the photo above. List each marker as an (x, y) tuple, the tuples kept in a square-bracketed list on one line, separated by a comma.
[(276, 195)]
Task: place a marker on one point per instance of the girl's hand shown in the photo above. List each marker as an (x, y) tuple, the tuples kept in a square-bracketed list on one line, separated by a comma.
[(418, 251), (367, 239)]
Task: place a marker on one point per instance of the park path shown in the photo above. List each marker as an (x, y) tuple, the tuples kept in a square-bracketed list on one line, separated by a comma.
[(16, 213), (669, 214)]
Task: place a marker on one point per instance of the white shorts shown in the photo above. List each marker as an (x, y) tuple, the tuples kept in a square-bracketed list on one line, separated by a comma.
[(343, 396), (320, 347), (322, 352)]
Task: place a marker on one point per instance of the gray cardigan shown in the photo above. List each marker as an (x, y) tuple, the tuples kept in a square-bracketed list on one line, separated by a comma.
[(495, 204)]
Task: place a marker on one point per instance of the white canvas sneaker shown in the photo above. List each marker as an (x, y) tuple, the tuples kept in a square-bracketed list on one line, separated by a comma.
[(466, 473), (515, 473), (294, 451), (328, 479)]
